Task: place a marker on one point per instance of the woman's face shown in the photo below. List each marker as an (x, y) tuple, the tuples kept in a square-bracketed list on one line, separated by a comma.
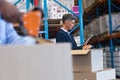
[(70, 24)]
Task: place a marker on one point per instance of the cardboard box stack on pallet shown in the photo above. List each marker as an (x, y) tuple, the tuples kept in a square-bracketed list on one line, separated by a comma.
[(101, 25), (116, 58), (104, 22), (88, 65)]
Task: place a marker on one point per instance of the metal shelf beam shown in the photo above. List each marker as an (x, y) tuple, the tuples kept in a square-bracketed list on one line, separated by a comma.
[(81, 22), (46, 19), (110, 27)]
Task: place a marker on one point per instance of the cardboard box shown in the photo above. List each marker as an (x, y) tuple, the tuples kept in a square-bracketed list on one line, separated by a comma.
[(116, 59), (118, 73), (94, 27), (104, 23), (59, 16), (116, 54), (53, 7), (36, 62), (106, 74), (52, 16), (85, 60)]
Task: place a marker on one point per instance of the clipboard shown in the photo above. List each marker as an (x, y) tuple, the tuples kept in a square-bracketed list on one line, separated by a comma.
[(86, 42)]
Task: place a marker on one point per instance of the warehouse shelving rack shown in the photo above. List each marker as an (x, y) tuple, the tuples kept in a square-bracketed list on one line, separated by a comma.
[(111, 40), (93, 13)]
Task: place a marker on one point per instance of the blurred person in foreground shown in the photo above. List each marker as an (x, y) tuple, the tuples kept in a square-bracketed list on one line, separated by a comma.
[(64, 35), (9, 14)]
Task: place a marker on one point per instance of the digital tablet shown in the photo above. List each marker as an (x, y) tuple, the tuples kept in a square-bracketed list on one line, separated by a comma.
[(86, 42)]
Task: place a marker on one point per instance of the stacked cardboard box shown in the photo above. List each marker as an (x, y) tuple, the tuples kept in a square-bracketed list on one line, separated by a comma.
[(87, 31), (52, 12), (101, 25), (104, 60), (94, 26), (116, 58), (88, 65), (87, 3), (55, 11), (36, 62), (104, 23), (106, 74)]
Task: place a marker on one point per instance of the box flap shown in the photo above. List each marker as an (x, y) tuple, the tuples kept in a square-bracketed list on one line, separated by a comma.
[(79, 52), (107, 69)]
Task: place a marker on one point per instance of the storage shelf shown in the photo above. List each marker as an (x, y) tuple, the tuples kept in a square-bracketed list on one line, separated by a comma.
[(102, 5), (91, 13), (104, 37)]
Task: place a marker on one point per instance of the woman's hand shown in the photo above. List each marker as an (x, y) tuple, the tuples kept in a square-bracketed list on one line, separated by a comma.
[(86, 47)]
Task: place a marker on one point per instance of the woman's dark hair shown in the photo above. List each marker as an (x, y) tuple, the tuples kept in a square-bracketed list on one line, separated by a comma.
[(68, 17), (38, 9)]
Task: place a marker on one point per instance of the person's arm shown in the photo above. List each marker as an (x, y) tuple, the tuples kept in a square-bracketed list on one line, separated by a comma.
[(9, 12), (7, 33), (13, 38), (9, 36), (60, 37), (77, 47), (2, 32)]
